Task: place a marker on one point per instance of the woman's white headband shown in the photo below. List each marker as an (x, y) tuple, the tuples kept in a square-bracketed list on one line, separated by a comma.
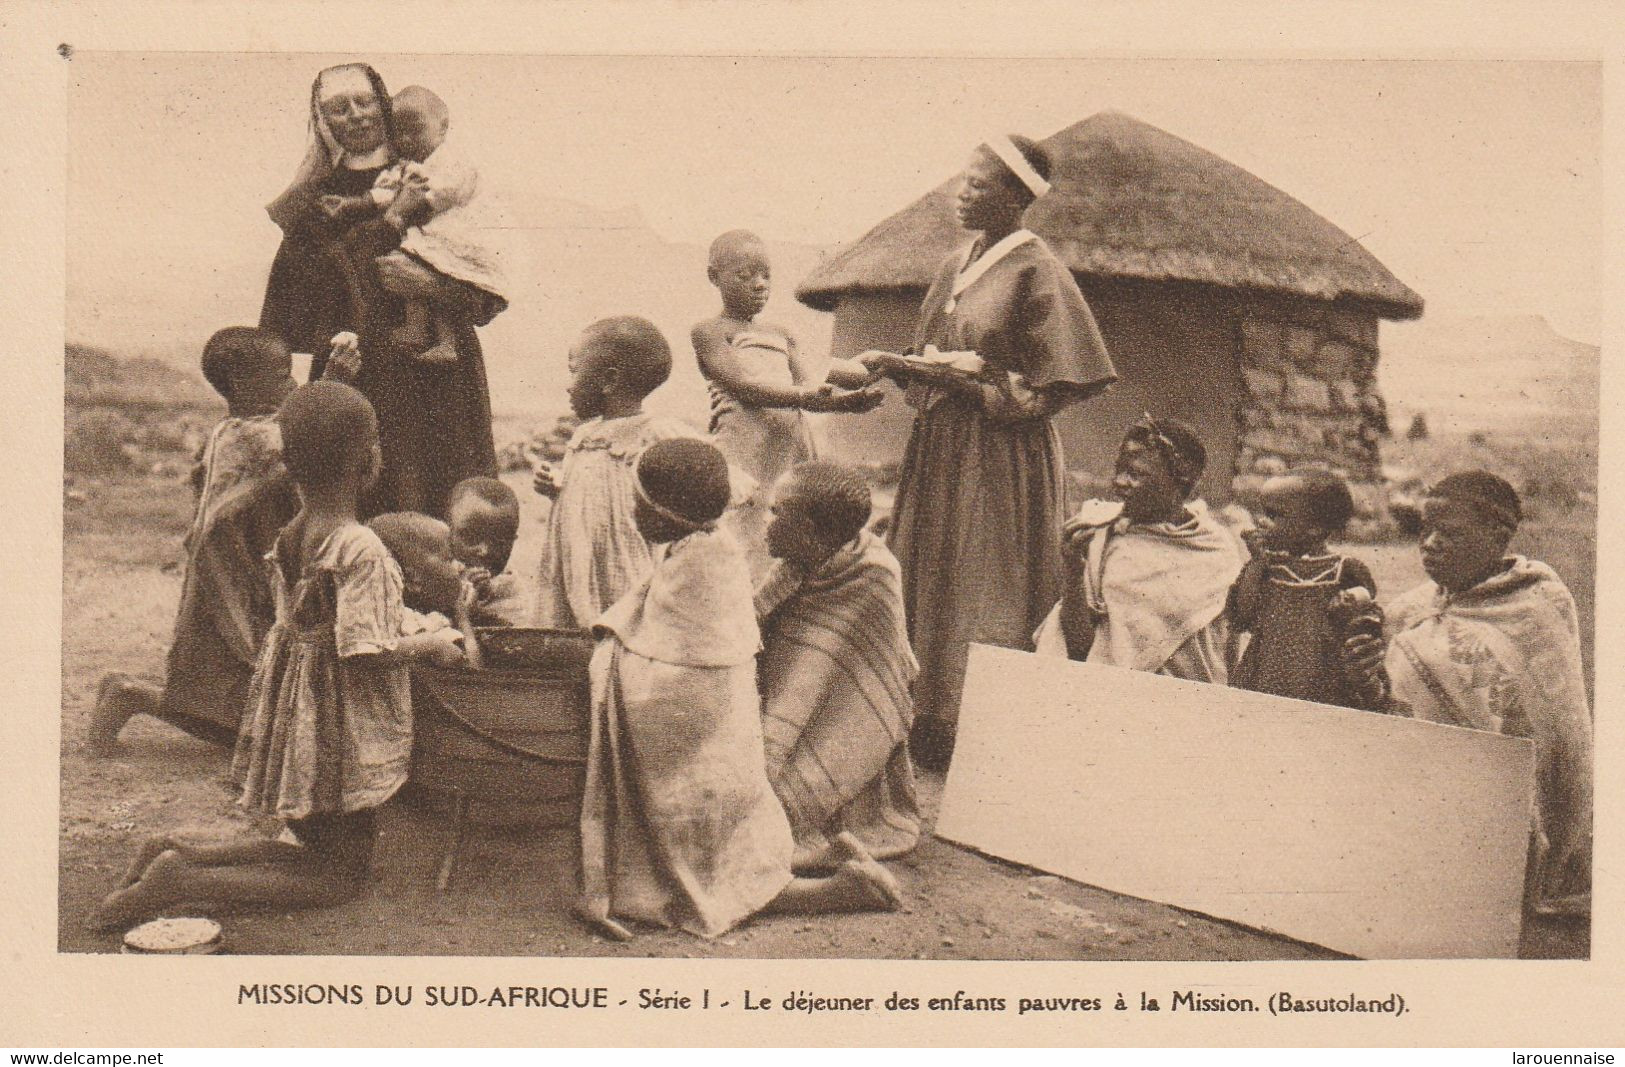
[(1011, 157)]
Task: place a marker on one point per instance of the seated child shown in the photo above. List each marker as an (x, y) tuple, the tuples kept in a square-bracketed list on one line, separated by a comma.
[(679, 825), (1491, 641), (593, 553), (1147, 573), (760, 382), (835, 670), (327, 734), (434, 588), (244, 497), (483, 514), (445, 243), (1294, 597)]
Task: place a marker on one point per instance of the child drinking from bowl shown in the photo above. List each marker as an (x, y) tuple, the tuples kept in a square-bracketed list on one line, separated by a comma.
[(483, 517), (434, 586), (327, 733)]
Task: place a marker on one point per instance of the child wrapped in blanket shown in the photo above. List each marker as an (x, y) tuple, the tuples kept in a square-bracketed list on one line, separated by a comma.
[(679, 824), (836, 670)]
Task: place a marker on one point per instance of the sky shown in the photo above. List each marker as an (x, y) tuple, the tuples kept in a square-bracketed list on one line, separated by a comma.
[(1478, 183)]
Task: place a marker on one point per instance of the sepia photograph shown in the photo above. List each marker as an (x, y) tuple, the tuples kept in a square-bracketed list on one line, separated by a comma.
[(842, 508)]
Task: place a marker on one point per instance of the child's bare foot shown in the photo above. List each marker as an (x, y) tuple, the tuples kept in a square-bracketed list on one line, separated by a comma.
[(150, 850), (868, 877), (155, 890), (603, 924), (118, 698)]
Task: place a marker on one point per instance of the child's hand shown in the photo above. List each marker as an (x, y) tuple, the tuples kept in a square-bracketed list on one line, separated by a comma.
[(857, 401), (884, 364), (445, 648), (548, 481), (820, 399), (1075, 546), (1093, 514), (477, 579), (343, 358), (468, 595)]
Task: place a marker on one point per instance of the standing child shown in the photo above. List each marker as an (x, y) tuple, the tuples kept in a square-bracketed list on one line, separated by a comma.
[(328, 730), (1295, 597), (226, 607), (679, 825), (594, 553), (760, 382), (484, 523)]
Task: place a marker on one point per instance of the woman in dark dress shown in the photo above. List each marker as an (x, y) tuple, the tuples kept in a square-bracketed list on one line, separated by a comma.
[(434, 420), (977, 523)]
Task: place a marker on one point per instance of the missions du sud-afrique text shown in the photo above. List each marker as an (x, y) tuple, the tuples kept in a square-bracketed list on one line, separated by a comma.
[(356, 994)]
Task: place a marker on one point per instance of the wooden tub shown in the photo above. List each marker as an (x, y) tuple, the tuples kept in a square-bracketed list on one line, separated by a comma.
[(513, 733)]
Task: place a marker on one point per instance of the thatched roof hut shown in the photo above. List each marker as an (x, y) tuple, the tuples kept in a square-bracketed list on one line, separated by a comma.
[(1222, 299)]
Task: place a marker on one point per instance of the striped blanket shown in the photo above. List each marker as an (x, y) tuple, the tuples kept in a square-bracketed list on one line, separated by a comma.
[(835, 674)]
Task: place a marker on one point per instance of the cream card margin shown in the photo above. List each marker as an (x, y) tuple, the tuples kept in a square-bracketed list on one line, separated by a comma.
[(56, 1001)]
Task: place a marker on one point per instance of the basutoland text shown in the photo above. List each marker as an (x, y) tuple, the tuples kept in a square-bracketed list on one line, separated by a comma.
[(807, 1001)]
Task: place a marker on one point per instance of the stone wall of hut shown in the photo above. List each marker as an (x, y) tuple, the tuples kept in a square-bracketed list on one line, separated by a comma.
[(1309, 371)]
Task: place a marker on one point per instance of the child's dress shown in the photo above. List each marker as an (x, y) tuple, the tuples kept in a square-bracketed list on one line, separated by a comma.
[(227, 603), (593, 553), (679, 824), (763, 442), (326, 734), (1295, 648)]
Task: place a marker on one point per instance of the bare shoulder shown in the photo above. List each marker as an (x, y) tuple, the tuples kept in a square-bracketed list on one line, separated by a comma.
[(711, 331)]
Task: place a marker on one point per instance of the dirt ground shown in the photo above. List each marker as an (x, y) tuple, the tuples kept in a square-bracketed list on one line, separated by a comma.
[(121, 579)]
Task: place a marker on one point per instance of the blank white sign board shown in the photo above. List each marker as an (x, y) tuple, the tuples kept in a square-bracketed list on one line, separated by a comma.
[(1372, 835)]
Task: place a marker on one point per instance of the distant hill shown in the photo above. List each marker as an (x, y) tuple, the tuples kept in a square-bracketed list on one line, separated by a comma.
[(94, 377), (1512, 374), (569, 263)]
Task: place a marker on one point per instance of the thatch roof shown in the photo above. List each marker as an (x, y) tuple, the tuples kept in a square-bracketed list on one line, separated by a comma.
[(1130, 201)]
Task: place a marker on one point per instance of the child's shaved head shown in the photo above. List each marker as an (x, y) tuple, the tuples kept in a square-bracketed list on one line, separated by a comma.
[(484, 517), (419, 121), (491, 491), (412, 536), (836, 498), (731, 245), (236, 352), (687, 478), (328, 428), (421, 545), (635, 346)]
